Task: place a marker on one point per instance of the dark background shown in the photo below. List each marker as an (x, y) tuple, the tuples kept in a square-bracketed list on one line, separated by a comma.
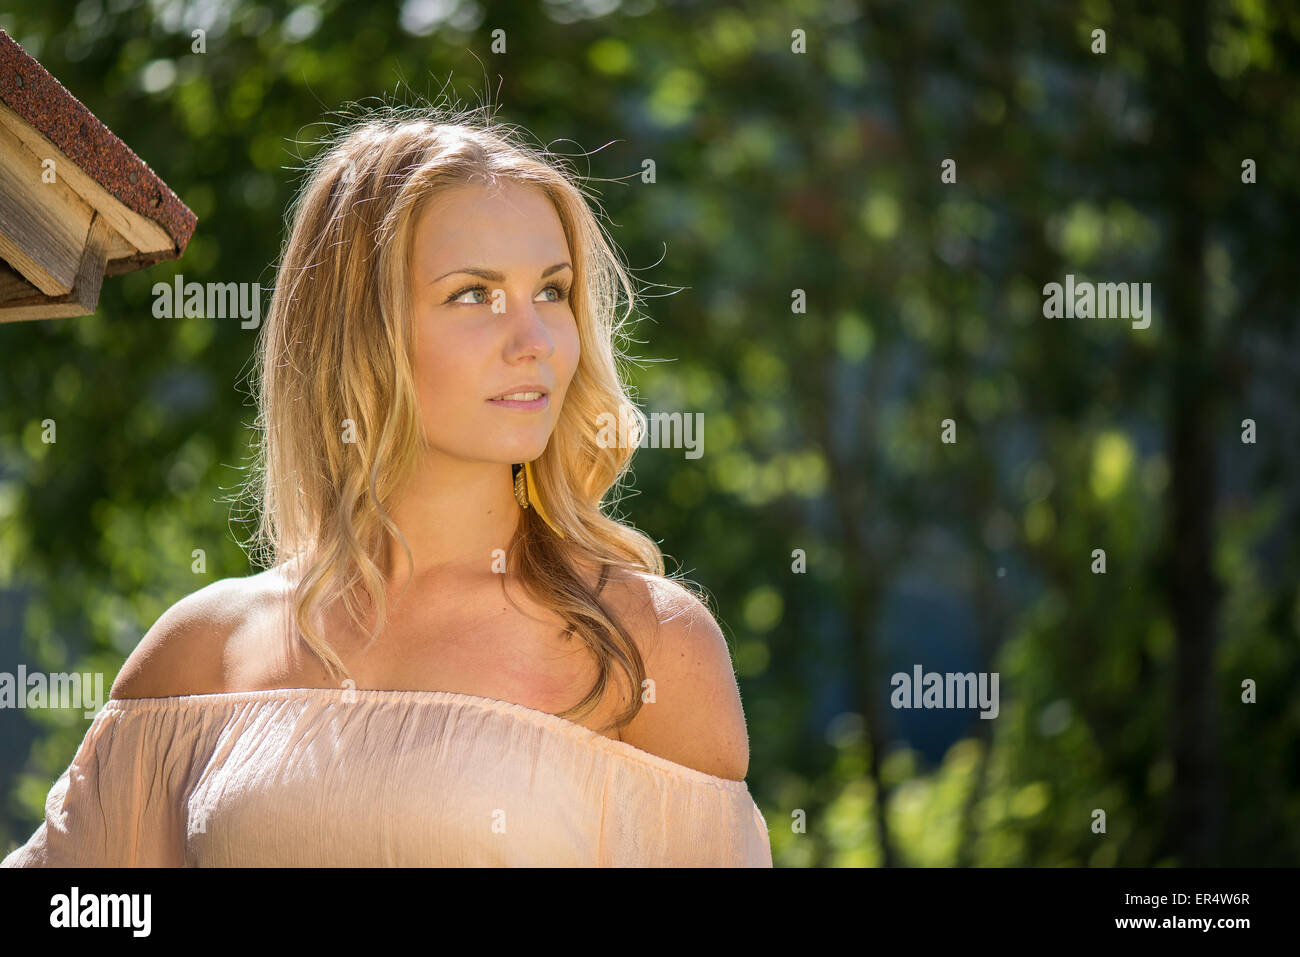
[(779, 171)]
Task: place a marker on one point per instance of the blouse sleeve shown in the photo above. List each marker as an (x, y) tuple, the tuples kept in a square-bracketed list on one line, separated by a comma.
[(116, 805), (657, 820)]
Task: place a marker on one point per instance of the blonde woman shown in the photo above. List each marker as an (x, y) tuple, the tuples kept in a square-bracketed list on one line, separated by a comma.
[(454, 657)]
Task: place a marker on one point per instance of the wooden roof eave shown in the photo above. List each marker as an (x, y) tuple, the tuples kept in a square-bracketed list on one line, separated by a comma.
[(76, 204)]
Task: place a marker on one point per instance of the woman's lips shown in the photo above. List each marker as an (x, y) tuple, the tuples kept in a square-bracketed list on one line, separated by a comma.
[(535, 405)]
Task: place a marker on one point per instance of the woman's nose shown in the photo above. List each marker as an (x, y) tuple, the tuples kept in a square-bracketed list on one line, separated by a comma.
[(529, 334)]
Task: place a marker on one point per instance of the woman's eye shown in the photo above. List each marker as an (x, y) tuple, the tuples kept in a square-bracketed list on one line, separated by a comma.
[(561, 293), (464, 292)]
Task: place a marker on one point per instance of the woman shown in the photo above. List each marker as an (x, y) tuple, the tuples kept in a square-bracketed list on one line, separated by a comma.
[(529, 689)]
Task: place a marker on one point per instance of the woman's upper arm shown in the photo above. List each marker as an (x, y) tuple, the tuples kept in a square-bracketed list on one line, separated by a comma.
[(118, 802)]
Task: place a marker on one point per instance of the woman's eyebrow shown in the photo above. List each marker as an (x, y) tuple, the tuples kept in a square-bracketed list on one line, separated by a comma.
[(495, 276)]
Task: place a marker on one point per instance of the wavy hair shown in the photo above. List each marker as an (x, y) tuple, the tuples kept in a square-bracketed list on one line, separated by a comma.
[(337, 343)]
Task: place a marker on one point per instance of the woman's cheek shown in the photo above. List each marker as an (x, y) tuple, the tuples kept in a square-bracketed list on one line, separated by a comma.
[(573, 345)]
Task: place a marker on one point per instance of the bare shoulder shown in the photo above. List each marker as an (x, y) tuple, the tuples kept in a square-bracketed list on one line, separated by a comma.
[(691, 712), (185, 650)]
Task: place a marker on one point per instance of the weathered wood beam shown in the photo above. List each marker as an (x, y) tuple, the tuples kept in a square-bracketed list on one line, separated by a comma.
[(20, 300)]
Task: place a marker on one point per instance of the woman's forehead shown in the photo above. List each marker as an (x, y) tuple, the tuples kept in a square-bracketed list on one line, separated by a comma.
[(490, 229)]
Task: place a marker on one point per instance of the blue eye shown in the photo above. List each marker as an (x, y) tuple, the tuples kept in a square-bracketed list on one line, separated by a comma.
[(561, 291), (456, 295)]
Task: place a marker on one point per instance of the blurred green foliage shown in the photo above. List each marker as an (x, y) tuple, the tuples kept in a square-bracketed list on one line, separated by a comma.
[(780, 171)]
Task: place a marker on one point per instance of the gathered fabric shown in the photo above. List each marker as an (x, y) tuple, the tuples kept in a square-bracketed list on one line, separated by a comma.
[(326, 777)]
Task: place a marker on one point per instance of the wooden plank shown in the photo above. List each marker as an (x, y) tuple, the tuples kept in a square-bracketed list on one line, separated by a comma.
[(141, 233), (13, 286), (43, 226), (82, 300)]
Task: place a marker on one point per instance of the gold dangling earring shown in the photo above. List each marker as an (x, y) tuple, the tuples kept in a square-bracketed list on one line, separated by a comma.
[(521, 494), (526, 494)]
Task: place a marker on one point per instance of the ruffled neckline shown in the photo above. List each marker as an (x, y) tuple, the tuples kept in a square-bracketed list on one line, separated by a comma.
[(544, 719)]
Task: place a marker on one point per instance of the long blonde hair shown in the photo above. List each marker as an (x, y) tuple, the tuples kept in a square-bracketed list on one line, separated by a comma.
[(336, 345)]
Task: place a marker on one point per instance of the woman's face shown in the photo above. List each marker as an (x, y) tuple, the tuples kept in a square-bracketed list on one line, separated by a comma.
[(499, 330)]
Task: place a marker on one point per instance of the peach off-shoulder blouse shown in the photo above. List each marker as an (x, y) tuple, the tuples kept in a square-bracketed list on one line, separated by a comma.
[(337, 777)]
